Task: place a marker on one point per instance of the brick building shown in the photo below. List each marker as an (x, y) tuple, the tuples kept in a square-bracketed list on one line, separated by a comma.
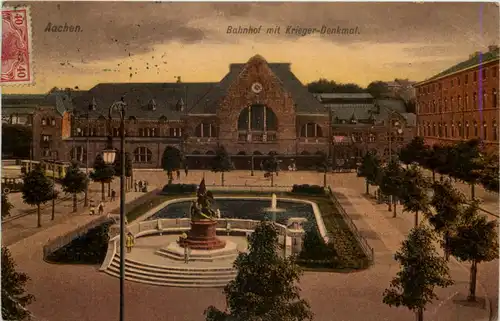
[(258, 108), (461, 102)]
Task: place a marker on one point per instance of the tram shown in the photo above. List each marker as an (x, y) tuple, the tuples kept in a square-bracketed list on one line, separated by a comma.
[(51, 168)]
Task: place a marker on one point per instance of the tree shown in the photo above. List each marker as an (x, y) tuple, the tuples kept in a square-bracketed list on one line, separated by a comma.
[(414, 151), (37, 190), (74, 182), (369, 169), (221, 162), (422, 270), (489, 176), (330, 86), (6, 205), (414, 192), (265, 286), (377, 89), (128, 165), (171, 161), (272, 167), (433, 159), (325, 165), (391, 182), (102, 173), (16, 141), (14, 296), (470, 162), (447, 203), (475, 240)]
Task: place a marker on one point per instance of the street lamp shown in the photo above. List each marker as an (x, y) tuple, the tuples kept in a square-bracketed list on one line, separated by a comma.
[(399, 131), (92, 107), (53, 185), (109, 155)]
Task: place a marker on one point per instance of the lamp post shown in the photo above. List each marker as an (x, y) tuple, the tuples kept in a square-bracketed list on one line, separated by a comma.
[(92, 107), (399, 131), (53, 185), (109, 155)]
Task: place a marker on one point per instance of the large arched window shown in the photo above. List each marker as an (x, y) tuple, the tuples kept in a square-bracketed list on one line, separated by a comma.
[(476, 134), (466, 129), (257, 118), (142, 155), (205, 130), (311, 130), (494, 130), (485, 131), (445, 129), (494, 98)]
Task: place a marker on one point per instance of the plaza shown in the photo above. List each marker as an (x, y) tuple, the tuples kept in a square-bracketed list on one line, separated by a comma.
[(333, 296)]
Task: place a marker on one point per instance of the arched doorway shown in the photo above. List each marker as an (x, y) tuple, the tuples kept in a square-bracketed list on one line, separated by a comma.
[(257, 123)]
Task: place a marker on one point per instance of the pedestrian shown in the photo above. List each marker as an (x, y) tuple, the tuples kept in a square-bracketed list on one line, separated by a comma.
[(101, 208), (92, 209), (135, 185), (140, 186), (186, 170), (145, 187), (178, 174), (113, 195), (130, 242)]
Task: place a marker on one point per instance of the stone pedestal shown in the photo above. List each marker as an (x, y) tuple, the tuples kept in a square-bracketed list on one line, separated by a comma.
[(202, 236)]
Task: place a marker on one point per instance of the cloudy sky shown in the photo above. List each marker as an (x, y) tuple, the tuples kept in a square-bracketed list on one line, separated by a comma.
[(154, 42)]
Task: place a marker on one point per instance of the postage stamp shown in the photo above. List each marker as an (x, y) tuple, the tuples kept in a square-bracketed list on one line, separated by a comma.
[(17, 66)]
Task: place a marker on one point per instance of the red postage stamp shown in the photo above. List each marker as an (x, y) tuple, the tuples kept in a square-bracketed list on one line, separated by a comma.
[(17, 67)]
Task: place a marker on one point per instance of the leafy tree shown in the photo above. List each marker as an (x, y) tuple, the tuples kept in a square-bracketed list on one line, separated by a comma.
[(470, 162), (75, 181), (414, 151), (172, 160), (6, 205), (14, 296), (272, 167), (102, 173), (391, 181), (37, 190), (315, 248), (476, 241), (489, 176), (422, 270), (447, 203), (370, 170), (329, 86), (221, 162), (433, 159), (325, 165), (265, 287), (414, 192), (16, 140), (378, 89)]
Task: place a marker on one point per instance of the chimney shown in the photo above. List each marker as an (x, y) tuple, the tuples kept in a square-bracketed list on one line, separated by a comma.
[(492, 48)]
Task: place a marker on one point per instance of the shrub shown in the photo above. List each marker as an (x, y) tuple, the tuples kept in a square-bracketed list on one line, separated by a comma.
[(315, 248), (179, 189), (89, 248), (308, 189)]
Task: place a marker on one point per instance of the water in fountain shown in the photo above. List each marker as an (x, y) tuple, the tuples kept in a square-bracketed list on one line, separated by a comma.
[(274, 208), (273, 201)]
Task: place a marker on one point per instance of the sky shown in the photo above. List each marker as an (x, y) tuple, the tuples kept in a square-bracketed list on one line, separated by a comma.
[(156, 42)]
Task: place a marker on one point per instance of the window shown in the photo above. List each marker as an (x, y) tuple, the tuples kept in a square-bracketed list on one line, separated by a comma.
[(446, 104), (452, 83), (116, 132), (452, 106), (466, 79), (257, 118), (147, 132), (440, 130), (174, 132), (434, 129), (466, 103), (46, 152), (485, 131), (460, 130), (445, 130), (474, 100), (458, 81), (205, 130), (44, 122), (494, 98), (494, 130), (484, 74), (78, 153), (494, 72), (459, 102), (371, 138), (52, 122), (452, 131), (311, 130), (46, 138), (476, 134), (485, 97), (142, 155), (466, 129)]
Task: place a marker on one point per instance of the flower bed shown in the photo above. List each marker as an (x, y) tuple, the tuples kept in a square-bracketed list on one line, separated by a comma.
[(308, 189)]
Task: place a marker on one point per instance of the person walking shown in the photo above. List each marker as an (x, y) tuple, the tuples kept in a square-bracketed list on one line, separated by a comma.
[(101, 208), (186, 170), (140, 186), (135, 185), (113, 195), (178, 174), (92, 209)]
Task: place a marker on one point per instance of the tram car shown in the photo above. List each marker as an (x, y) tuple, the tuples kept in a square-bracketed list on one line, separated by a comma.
[(52, 169), (12, 184)]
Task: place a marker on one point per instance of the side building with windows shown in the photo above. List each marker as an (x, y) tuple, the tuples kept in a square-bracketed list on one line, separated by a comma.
[(461, 102)]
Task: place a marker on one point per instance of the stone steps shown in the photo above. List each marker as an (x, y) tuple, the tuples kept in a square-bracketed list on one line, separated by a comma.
[(178, 257), (172, 276)]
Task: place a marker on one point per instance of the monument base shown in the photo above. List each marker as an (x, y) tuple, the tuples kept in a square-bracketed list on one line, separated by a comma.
[(202, 236)]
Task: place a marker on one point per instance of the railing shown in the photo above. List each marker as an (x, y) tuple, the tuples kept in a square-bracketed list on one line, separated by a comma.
[(367, 249)]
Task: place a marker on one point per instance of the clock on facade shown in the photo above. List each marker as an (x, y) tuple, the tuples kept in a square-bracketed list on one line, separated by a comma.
[(256, 87)]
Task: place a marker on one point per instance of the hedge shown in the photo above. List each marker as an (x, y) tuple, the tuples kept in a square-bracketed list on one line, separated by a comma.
[(308, 189), (179, 189)]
